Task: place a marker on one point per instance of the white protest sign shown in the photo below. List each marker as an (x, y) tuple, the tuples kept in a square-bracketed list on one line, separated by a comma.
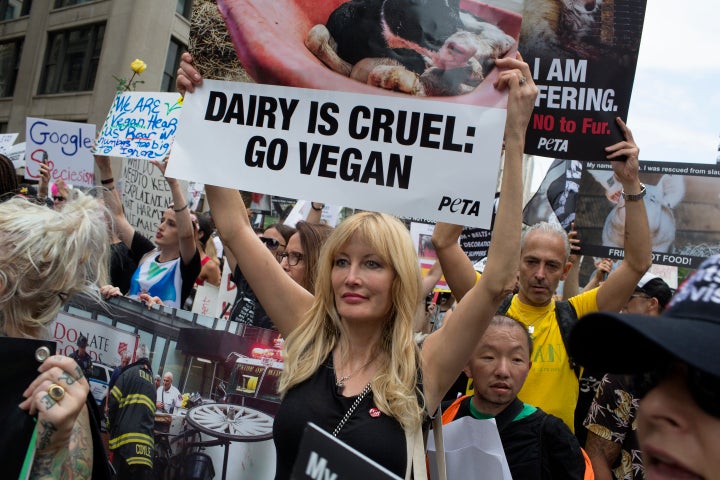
[(106, 344), (16, 154), (66, 147), (140, 125), (6, 141), (407, 156), (206, 301), (211, 301), (330, 214), (145, 195)]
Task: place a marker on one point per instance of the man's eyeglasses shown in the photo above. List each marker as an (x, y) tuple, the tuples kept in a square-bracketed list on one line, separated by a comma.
[(271, 243), (704, 387), (640, 295), (59, 199), (293, 258)]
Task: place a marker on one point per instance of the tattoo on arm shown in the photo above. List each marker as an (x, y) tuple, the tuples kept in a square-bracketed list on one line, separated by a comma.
[(74, 461), (45, 434)]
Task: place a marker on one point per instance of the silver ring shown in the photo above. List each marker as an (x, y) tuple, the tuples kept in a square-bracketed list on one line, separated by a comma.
[(56, 392), (523, 80)]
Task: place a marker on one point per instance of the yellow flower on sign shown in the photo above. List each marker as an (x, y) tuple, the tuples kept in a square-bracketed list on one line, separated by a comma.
[(138, 66)]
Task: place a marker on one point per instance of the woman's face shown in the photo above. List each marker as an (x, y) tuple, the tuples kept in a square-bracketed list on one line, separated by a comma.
[(295, 253), (275, 235), (677, 437), (362, 282), (167, 235)]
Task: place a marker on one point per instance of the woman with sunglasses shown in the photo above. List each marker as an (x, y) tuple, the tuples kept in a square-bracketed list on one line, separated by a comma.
[(167, 270), (350, 347), (678, 417), (297, 256)]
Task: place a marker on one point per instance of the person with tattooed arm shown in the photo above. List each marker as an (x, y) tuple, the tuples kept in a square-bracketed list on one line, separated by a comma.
[(50, 423)]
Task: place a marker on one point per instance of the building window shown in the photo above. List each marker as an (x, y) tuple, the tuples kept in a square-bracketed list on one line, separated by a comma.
[(172, 62), (10, 52), (184, 8), (69, 3), (12, 9), (71, 60), (3, 127)]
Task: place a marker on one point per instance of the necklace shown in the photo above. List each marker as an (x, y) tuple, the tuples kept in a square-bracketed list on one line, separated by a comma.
[(340, 382)]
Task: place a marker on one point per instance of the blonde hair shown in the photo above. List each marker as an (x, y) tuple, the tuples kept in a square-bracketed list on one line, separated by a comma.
[(307, 347), (46, 256)]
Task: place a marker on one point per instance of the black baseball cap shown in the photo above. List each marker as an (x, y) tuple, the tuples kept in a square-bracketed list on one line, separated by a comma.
[(689, 330)]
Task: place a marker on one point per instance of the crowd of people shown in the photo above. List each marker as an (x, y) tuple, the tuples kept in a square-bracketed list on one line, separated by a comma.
[(350, 303)]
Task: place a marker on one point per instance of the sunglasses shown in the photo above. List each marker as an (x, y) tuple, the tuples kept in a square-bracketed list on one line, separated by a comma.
[(271, 243), (704, 387), (293, 258), (59, 199)]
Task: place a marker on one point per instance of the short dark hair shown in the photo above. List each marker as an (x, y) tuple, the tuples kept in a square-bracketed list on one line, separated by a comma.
[(82, 341), (657, 288)]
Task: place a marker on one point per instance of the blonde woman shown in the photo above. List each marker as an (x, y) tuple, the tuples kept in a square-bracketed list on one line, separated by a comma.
[(47, 256), (352, 341)]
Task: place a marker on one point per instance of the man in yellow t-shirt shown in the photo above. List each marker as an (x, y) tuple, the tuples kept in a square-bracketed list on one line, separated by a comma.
[(544, 252)]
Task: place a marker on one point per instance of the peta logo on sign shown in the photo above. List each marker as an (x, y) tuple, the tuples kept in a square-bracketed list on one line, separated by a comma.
[(317, 468), (463, 206)]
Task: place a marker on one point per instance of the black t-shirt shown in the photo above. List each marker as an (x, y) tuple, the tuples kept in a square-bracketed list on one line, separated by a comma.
[(247, 309), (122, 266), (316, 400), (538, 446)]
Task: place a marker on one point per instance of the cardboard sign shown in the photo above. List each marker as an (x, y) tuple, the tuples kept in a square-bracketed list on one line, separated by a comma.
[(421, 235), (65, 146), (145, 195), (140, 125)]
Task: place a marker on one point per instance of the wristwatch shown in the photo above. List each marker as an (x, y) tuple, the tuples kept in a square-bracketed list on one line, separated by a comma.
[(635, 197)]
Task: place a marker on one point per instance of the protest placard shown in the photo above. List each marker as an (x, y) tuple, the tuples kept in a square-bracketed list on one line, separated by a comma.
[(583, 57), (421, 235), (16, 154), (145, 195), (345, 141), (363, 151), (140, 125), (65, 146), (681, 202), (6, 141)]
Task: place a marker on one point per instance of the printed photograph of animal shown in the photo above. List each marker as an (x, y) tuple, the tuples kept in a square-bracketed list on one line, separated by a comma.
[(660, 201), (419, 47), (552, 27)]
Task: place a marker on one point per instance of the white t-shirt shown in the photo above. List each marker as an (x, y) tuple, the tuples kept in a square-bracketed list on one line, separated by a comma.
[(172, 398)]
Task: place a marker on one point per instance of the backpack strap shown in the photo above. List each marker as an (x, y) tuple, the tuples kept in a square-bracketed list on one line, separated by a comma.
[(451, 411), (567, 318), (505, 305)]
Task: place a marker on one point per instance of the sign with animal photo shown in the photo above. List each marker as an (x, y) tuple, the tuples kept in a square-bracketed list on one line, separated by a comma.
[(64, 146), (140, 125), (414, 128), (681, 203), (583, 55)]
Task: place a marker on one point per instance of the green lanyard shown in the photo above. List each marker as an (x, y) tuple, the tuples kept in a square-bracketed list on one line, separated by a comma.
[(29, 456)]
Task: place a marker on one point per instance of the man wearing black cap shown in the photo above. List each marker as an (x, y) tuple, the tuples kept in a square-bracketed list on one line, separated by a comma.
[(678, 420), (612, 443), (81, 356)]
